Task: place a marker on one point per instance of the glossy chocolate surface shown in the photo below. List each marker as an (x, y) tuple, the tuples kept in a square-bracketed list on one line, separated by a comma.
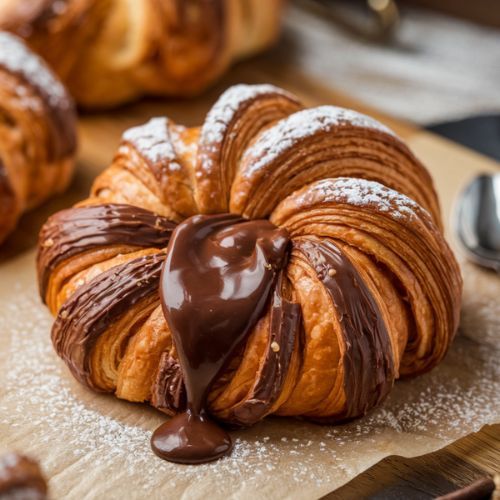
[(368, 365), (215, 284), (76, 230), (284, 334), (98, 304)]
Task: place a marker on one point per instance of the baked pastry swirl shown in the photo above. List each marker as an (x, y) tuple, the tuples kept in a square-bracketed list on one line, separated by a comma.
[(362, 287), (37, 132), (111, 51)]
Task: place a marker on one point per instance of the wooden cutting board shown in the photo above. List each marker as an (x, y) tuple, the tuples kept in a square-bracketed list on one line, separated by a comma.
[(450, 164)]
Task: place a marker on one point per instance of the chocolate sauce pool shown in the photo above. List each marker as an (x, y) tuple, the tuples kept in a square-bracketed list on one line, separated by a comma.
[(215, 284)]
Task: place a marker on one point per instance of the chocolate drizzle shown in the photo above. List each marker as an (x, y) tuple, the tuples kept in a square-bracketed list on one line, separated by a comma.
[(96, 305), (76, 230), (215, 284), (368, 365), (168, 393), (284, 328)]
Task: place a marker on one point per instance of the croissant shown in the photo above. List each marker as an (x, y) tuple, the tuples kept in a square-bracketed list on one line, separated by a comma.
[(37, 132), (21, 477), (109, 52), (357, 285)]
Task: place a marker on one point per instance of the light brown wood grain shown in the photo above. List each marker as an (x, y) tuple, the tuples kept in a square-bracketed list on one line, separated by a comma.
[(454, 467)]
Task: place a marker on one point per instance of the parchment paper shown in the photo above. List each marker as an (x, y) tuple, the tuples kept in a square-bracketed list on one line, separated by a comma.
[(95, 446)]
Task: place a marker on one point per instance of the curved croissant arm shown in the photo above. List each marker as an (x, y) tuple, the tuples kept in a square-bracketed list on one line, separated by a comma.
[(324, 142), (119, 50), (371, 290), (37, 132), (384, 229)]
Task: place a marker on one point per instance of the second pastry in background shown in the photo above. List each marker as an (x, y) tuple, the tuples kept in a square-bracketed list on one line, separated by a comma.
[(37, 132), (112, 51)]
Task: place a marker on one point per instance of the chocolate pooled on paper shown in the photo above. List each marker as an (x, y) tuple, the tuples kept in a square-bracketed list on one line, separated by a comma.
[(215, 284)]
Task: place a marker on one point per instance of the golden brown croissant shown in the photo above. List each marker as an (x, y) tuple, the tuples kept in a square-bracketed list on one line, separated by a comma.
[(21, 478), (368, 291), (37, 132), (112, 51)]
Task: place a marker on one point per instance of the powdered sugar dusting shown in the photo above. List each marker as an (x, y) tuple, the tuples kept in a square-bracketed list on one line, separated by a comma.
[(223, 111), (153, 141), (17, 58), (298, 126), (97, 446), (364, 193)]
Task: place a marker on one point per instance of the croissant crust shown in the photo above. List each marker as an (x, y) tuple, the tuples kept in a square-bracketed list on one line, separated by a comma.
[(37, 132), (110, 52), (370, 291)]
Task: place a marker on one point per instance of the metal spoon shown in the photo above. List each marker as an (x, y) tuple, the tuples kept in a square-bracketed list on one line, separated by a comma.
[(478, 220)]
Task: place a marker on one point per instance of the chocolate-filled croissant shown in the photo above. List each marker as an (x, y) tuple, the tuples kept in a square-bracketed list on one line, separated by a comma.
[(109, 52), (37, 132), (370, 290)]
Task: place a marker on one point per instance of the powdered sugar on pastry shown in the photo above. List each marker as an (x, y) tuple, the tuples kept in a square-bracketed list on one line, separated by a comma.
[(153, 141), (364, 193), (17, 58), (301, 125), (220, 116)]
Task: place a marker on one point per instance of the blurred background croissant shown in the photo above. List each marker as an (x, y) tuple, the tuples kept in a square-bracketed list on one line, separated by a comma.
[(108, 52)]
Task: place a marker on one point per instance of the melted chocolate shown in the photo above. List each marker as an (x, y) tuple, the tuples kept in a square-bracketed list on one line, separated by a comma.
[(76, 230), (368, 365), (284, 331), (96, 305), (215, 284), (168, 393)]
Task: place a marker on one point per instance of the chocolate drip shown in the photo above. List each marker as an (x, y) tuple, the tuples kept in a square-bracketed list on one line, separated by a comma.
[(368, 364), (168, 393), (76, 230), (97, 305), (284, 329), (215, 284)]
